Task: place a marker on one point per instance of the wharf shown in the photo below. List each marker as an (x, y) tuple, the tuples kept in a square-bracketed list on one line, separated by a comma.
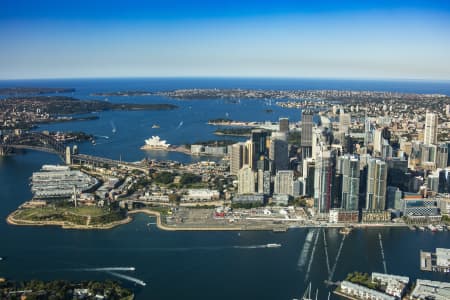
[(432, 262), (426, 261)]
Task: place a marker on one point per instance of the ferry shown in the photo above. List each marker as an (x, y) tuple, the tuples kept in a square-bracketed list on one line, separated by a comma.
[(273, 245)]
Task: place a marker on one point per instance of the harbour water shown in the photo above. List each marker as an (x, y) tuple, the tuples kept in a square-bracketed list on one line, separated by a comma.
[(194, 265)]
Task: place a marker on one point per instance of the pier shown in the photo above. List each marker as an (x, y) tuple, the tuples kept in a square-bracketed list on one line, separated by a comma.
[(435, 262)]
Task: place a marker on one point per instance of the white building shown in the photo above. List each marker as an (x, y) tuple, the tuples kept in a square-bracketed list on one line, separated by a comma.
[(443, 257), (394, 285), (427, 289), (362, 292), (430, 132), (246, 180), (284, 183), (200, 195)]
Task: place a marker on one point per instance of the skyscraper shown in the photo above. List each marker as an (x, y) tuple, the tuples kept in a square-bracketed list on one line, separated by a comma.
[(442, 156), (306, 137), (323, 175), (308, 176), (246, 180), (278, 154), (237, 157), (284, 183), (430, 132), (264, 182), (368, 137), (376, 184), (350, 182), (344, 122), (283, 125), (258, 146)]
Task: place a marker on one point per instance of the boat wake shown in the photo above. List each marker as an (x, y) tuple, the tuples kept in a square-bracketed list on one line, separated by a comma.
[(305, 251), (258, 246), (325, 246), (108, 269), (126, 277), (333, 269), (382, 253), (312, 256), (179, 125)]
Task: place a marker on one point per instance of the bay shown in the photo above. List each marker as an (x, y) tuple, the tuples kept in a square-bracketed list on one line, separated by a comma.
[(192, 265)]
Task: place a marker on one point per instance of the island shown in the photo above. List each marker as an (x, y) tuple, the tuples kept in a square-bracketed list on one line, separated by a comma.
[(62, 289)]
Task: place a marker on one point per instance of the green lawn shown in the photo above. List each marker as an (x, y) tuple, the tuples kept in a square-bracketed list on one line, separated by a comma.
[(76, 215)]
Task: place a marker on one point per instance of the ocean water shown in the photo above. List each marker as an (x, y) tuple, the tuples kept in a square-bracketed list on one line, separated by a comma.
[(193, 265)]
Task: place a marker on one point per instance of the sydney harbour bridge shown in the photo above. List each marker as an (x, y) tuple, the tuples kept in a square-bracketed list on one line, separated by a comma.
[(37, 141)]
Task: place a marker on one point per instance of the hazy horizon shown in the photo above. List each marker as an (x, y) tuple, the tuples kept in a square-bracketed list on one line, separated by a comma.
[(371, 40)]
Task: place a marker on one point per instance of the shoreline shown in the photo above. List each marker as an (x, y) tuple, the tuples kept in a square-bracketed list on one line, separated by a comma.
[(65, 224), (159, 224), (179, 149)]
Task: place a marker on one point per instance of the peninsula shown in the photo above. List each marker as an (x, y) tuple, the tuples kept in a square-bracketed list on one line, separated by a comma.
[(123, 93), (25, 112), (34, 90), (62, 289)]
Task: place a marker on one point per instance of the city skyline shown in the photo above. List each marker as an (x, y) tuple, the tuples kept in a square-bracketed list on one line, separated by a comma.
[(289, 39)]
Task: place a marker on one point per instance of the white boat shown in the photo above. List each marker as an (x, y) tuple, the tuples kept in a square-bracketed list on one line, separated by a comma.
[(432, 228), (273, 245), (155, 126)]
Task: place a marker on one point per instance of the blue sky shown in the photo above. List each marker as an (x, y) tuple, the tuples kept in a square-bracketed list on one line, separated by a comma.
[(182, 38)]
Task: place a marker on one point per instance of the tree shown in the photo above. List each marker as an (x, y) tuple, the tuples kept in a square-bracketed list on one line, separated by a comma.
[(164, 177), (174, 198)]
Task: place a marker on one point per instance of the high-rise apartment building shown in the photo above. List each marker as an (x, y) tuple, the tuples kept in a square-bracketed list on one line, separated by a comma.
[(237, 156), (284, 183), (283, 125), (430, 132), (350, 182), (323, 176), (246, 180), (376, 184), (307, 128)]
